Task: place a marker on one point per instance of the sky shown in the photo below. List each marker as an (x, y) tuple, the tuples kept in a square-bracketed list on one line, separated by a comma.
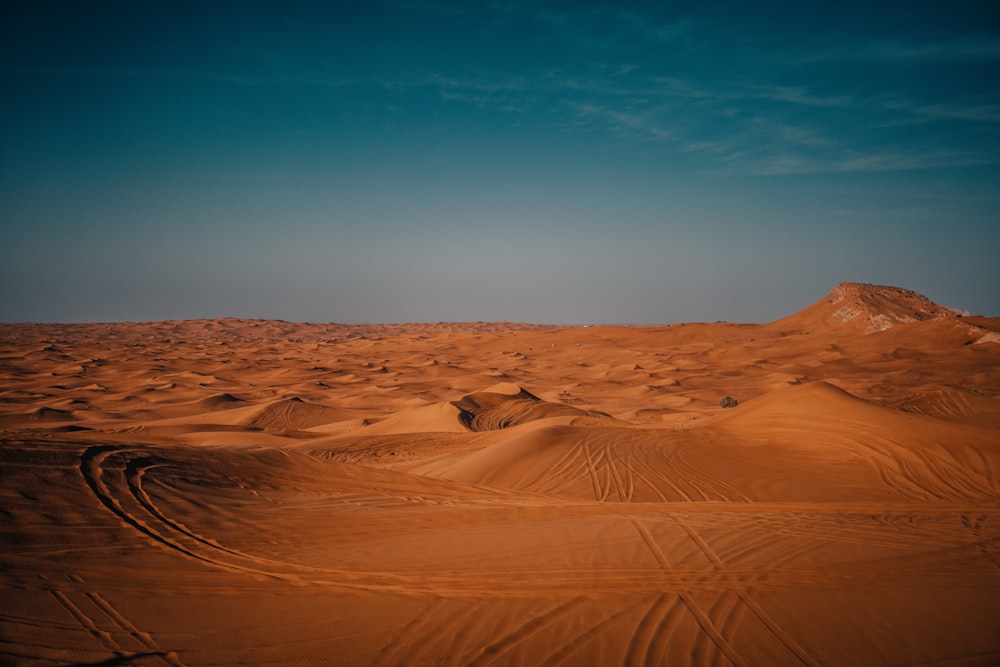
[(552, 162)]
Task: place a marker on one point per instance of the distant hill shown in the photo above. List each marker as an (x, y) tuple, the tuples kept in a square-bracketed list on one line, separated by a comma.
[(859, 308)]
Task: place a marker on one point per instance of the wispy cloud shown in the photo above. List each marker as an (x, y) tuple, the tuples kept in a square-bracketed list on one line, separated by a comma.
[(942, 49), (855, 161), (623, 122), (124, 72), (591, 26), (654, 81), (890, 160), (952, 49), (800, 95), (196, 75), (988, 113), (757, 128), (653, 29)]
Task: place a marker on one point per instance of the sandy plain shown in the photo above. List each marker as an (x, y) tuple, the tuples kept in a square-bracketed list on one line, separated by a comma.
[(259, 492)]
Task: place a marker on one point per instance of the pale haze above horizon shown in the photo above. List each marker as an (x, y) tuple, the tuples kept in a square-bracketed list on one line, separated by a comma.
[(550, 162)]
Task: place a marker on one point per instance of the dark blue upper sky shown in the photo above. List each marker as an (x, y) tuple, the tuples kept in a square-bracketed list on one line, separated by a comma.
[(550, 162)]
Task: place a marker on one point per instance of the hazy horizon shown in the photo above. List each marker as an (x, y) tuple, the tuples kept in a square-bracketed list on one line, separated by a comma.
[(404, 323), (557, 163)]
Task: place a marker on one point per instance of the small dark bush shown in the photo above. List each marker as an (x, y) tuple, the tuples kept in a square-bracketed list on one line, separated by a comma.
[(728, 402)]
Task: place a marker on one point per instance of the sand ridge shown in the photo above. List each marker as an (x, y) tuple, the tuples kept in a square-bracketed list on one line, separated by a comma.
[(261, 492)]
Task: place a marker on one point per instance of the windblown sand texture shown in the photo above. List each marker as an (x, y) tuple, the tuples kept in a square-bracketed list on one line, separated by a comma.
[(256, 492)]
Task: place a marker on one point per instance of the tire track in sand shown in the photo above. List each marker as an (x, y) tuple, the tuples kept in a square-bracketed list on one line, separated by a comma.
[(92, 467), (594, 478), (146, 646), (653, 631), (789, 643), (659, 474), (577, 641), (975, 522), (123, 494), (710, 488), (570, 468), (88, 624), (417, 628), (727, 612), (522, 632), (142, 637), (135, 471), (707, 626), (626, 487)]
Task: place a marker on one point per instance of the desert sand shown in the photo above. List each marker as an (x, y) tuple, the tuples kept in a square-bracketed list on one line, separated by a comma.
[(224, 492)]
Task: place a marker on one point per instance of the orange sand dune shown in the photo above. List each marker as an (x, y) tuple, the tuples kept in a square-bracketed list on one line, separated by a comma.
[(260, 492)]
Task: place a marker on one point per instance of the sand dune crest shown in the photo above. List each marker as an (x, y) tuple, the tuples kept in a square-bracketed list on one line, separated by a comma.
[(492, 410)]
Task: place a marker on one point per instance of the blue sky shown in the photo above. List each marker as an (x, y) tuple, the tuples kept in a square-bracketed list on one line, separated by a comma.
[(548, 162)]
